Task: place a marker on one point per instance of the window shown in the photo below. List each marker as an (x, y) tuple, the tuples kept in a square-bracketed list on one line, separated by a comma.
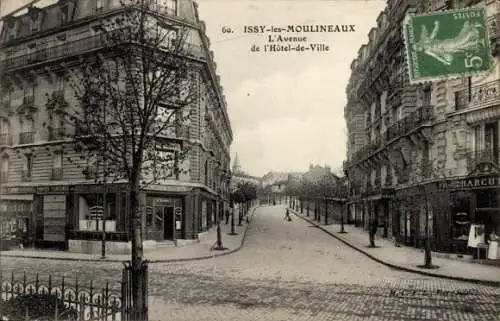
[(12, 30), (99, 5), (426, 96), (26, 130), (57, 160), (4, 126), (28, 166), (4, 169), (60, 84), (206, 173), (64, 14), (170, 6), (477, 139), (491, 138)]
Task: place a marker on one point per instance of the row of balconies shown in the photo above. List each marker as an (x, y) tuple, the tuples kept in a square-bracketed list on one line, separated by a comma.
[(24, 138), (6, 139), (26, 175), (71, 48), (478, 95), (472, 158), (398, 129)]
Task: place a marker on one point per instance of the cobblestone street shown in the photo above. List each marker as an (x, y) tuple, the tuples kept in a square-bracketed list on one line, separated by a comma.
[(290, 271)]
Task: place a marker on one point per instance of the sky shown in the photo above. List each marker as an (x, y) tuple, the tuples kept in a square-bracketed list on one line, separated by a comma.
[(286, 108)]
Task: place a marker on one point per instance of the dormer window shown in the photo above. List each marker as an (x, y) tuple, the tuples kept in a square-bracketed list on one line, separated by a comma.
[(99, 5), (11, 29), (64, 14), (36, 16)]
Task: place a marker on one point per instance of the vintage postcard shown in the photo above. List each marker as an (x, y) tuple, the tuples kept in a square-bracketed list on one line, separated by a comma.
[(249, 160)]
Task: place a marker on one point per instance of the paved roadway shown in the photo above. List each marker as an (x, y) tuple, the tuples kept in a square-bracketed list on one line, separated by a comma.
[(292, 271)]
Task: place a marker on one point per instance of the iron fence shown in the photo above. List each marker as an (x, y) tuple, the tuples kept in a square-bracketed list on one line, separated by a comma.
[(25, 298)]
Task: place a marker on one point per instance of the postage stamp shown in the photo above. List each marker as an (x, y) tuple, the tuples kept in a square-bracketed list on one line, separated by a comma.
[(447, 44)]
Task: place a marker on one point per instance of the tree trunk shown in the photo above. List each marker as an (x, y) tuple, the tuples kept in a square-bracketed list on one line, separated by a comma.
[(326, 212), (428, 254), (139, 298)]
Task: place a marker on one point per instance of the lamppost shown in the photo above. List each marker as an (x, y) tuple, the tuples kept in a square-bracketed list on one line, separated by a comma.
[(345, 207)]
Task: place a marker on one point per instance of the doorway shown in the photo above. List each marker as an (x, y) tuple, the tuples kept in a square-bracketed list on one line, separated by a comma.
[(168, 223)]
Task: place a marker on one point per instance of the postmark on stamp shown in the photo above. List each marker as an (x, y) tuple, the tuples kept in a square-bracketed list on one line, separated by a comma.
[(447, 44)]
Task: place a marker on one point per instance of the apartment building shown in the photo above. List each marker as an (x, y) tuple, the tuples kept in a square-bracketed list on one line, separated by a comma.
[(412, 145), (51, 198)]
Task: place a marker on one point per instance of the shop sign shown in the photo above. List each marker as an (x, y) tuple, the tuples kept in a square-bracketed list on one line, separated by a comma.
[(35, 189), (467, 183)]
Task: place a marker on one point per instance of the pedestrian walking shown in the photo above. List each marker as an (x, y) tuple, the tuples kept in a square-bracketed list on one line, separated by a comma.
[(287, 215)]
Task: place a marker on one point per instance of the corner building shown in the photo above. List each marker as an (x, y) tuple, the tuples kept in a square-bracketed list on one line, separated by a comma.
[(411, 143), (48, 196)]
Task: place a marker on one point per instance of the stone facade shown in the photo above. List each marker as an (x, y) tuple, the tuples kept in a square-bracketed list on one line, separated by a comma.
[(42, 191), (412, 148)]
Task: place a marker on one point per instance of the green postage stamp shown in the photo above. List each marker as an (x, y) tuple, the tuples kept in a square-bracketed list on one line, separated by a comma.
[(447, 44)]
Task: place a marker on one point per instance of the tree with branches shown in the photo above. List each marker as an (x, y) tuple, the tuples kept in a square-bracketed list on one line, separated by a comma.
[(427, 194), (132, 110)]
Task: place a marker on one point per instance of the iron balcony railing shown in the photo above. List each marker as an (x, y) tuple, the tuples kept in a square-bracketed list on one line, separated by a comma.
[(26, 138), (477, 95), (493, 23), (408, 123), (5, 139), (28, 100), (483, 156), (57, 173), (75, 47), (56, 134), (400, 128), (182, 132)]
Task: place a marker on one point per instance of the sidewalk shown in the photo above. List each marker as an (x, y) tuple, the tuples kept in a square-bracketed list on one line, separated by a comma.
[(408, 258), (197, 251)]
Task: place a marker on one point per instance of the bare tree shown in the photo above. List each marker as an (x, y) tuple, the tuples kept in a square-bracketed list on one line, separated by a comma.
[(425, 177), (133, 107)]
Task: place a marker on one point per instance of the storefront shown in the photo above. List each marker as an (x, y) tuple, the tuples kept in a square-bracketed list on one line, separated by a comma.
[(38, 212), (77, 218), (474, 203)]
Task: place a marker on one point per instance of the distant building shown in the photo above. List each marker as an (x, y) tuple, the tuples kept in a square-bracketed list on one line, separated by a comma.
[(272, 178), (239, 175)]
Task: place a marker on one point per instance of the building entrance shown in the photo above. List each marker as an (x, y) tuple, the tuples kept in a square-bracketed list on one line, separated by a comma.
[(168, 223)]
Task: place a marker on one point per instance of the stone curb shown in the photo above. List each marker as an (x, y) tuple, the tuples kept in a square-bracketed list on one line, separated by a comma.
[(395, 266), (198, 258)]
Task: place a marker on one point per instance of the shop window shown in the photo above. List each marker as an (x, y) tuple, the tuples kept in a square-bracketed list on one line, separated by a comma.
[(28, 167), (461, 219), (149, 216), (158, 218), (487, 199)]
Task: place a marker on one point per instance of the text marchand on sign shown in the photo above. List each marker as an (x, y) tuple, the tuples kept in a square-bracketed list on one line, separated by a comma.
[(476, 182)]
